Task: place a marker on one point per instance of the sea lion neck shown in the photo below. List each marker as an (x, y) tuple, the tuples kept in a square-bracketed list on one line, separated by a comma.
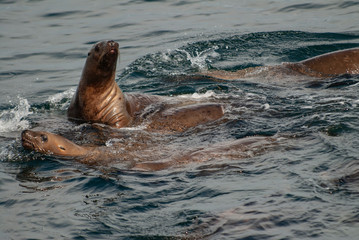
[(94, 77), (98, 98)]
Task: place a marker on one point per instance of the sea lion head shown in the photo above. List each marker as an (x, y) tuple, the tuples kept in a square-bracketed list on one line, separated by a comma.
[(101, 61), (49, 143)]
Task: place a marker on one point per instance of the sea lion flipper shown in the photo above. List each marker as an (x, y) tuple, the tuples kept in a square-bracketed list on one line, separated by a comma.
[(182, 118)]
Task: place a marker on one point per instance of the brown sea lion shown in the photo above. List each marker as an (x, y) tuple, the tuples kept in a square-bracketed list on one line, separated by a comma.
[(327, 65), (99, 99), (53, 144)]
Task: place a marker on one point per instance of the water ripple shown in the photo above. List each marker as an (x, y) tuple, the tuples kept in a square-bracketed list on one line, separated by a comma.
[(64, 14), (308, 6)]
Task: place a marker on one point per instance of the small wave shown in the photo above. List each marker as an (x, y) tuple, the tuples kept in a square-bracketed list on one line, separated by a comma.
[(63, 14), (304, 6), (14, 119), (60, 99), (172, 62)]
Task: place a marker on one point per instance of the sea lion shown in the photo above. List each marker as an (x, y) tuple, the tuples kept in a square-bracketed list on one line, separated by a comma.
[(99, 99), (330, 64), (52, 144), (323, 66)]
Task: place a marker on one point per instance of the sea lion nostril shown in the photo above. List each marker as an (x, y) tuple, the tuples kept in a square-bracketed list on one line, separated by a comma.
[(111, 43), (24, 133)]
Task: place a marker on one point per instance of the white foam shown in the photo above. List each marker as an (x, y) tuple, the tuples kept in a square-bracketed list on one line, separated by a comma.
[(56, 99), (207, 94), (113, 141), (266, 106), (14, 119), (199, 60), (137, 128)]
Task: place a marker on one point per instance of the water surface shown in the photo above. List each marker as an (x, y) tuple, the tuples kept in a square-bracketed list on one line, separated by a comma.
[(304, 187)]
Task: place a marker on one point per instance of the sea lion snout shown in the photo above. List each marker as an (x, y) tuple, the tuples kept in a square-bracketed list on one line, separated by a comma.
[(26, 139), (26, 134), (112, 46), (104, 47)]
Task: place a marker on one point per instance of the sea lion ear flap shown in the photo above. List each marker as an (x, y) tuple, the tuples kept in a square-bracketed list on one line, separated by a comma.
[(62, 148)]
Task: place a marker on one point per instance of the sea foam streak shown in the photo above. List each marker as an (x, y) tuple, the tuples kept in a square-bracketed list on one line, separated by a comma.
[(207, 94)]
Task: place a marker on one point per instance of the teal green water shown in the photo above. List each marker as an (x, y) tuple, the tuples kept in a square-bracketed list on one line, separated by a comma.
[(304, 187)]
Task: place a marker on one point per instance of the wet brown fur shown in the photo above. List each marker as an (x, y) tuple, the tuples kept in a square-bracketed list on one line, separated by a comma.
[(323, 66), (99, 99)]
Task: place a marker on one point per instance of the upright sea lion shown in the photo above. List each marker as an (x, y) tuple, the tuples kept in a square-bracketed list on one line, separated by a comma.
[(327, 65), (99, 99)]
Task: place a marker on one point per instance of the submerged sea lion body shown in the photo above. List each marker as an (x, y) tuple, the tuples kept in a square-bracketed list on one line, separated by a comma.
[(56, 145), (327, 65), (330, 64), (182, 118), (99, 99)]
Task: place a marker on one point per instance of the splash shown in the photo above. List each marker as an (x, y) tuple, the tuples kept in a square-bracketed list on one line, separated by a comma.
[(60, 100), (14, 119), (199, 59)]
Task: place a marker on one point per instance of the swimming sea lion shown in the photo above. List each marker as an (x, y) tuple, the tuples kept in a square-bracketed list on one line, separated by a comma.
[(330, 64), (53, 144), (327, 65), (99, 99)]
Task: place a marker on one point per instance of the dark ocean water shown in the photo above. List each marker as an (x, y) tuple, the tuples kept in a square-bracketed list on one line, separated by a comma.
[(301, 187)]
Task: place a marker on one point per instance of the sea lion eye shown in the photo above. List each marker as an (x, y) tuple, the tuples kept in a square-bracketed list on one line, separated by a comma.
[(44, 138), (97, 48), (89, 53), (62, 148)]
